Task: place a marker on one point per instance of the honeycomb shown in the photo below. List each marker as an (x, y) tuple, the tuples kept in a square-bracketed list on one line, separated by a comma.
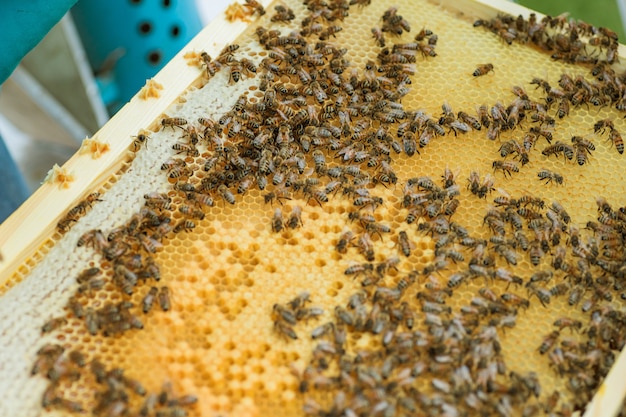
[(229, 270)]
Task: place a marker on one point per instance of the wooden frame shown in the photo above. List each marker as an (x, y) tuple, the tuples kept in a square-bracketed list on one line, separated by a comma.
[(27, 228), (23, 233)]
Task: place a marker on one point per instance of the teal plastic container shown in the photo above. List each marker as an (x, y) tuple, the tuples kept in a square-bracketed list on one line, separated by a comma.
[(129, 41)]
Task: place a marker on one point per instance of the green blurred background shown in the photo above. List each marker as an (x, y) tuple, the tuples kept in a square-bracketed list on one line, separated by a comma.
[(596, 12)]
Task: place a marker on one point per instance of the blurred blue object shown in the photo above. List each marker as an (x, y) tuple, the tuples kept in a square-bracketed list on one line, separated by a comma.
[(24, 24), (129, 41), (13, 190)]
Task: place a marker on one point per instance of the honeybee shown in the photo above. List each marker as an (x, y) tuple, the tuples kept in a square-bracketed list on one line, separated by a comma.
[(519, 92), (201, 199), (559, 147), (390, 263), (322, 330), (188, 149), (158, 201), (299, 301), (378, 37), (508, 148), (515, 300), (248, 66), (582, 148), (542, 294), (493, 131), (366, 247), (179, 172), (171, 163), (558, 209), (505, 275), (206, 58), (344, 316), (87, 273), (295, 218), (194, 214), (47, 355), (542, 117), (616, 138), (173, 122), (507, 253), (549, 176), (76, 307), (226, 53), (544, 276), (151, 269), (277, 221), (548, 342), (285, 329), (64, 224), (372, 202), (185, 225), (50, 350), (308, 313), (541, 83), (482, 70), (601, 125), (318, 92), (483, 115), (255, 7), (226, 194), (95, 239), (148, 299), (470, 120), (344, 239), (566, 322), (83, 205), (563, 109), (164, 298), (235, 71), (457, 279), (409, 144), (53, 324), (92, 321), (425, 50), (473, 182), (320, 160), (507, 167), (81, 208), (284, 314), (77, 358), (316, 194), (404, 243), (68, 405), (575, 295), (330, 31)]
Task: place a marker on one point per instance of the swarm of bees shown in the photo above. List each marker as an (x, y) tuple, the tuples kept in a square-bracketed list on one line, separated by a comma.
[(114, 388), (76, 212), (562, 37), (224, 59), (285, 316), (332, 132)]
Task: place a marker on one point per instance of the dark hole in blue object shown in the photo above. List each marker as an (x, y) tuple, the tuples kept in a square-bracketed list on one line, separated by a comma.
[(145, 28), (154, 57)]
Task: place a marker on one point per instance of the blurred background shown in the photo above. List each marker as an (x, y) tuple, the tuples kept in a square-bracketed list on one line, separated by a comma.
[(101, 53)]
